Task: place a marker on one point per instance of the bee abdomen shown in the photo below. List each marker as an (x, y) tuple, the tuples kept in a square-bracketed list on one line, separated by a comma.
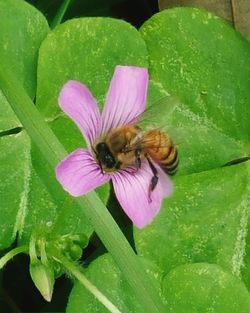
[(170, 161)]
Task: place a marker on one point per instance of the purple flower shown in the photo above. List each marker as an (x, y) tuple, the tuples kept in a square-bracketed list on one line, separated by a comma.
[(80, 173)]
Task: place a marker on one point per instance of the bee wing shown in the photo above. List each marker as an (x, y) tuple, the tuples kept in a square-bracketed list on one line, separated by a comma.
[(158, 113), (142, 142)]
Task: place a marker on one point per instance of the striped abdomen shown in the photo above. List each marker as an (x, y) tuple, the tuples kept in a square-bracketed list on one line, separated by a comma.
[(159, 146)]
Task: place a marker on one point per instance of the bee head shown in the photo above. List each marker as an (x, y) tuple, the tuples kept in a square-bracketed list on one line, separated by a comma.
[(104, 155)]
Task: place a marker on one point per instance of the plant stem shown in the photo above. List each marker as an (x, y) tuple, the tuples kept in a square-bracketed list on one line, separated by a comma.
[(9, 255), (60, 14), (75, 271), (95, 211)]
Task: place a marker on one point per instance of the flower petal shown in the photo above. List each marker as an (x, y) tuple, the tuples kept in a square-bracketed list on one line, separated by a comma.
[(166, 185), (132, 191), (78, 103), (126, 97), (79, 173)]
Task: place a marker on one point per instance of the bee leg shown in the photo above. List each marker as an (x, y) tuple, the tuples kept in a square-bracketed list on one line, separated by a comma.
[(154, 179), (138, 158), (118, 165)]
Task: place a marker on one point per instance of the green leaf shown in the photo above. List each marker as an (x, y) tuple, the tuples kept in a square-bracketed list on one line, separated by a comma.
[(200, 145), (190, 288), (22, 30), (202, 61), (246, 269), (205, 63), (8, 119), (14, 185), (73, 42), (204, 288), (85, 49), (206, 220), (20, 39), (105, 275)]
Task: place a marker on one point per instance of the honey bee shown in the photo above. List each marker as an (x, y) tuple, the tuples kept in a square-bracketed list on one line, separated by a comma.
[(129, 145)]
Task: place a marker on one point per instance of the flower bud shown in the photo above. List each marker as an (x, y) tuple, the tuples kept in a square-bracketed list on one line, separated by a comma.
[(75, 252), (43, 277)]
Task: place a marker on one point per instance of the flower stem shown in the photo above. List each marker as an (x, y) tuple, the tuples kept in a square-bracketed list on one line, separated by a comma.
[(76, 272), (60, 14), (9, 255), (95, 211)]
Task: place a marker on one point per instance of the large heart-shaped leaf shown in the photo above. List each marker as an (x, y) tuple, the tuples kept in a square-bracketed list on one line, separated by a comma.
[(205, 63), (202, 60), (85, 49), (199, 63)]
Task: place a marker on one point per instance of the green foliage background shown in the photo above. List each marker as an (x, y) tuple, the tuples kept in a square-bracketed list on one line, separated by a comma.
[(197, 248)]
